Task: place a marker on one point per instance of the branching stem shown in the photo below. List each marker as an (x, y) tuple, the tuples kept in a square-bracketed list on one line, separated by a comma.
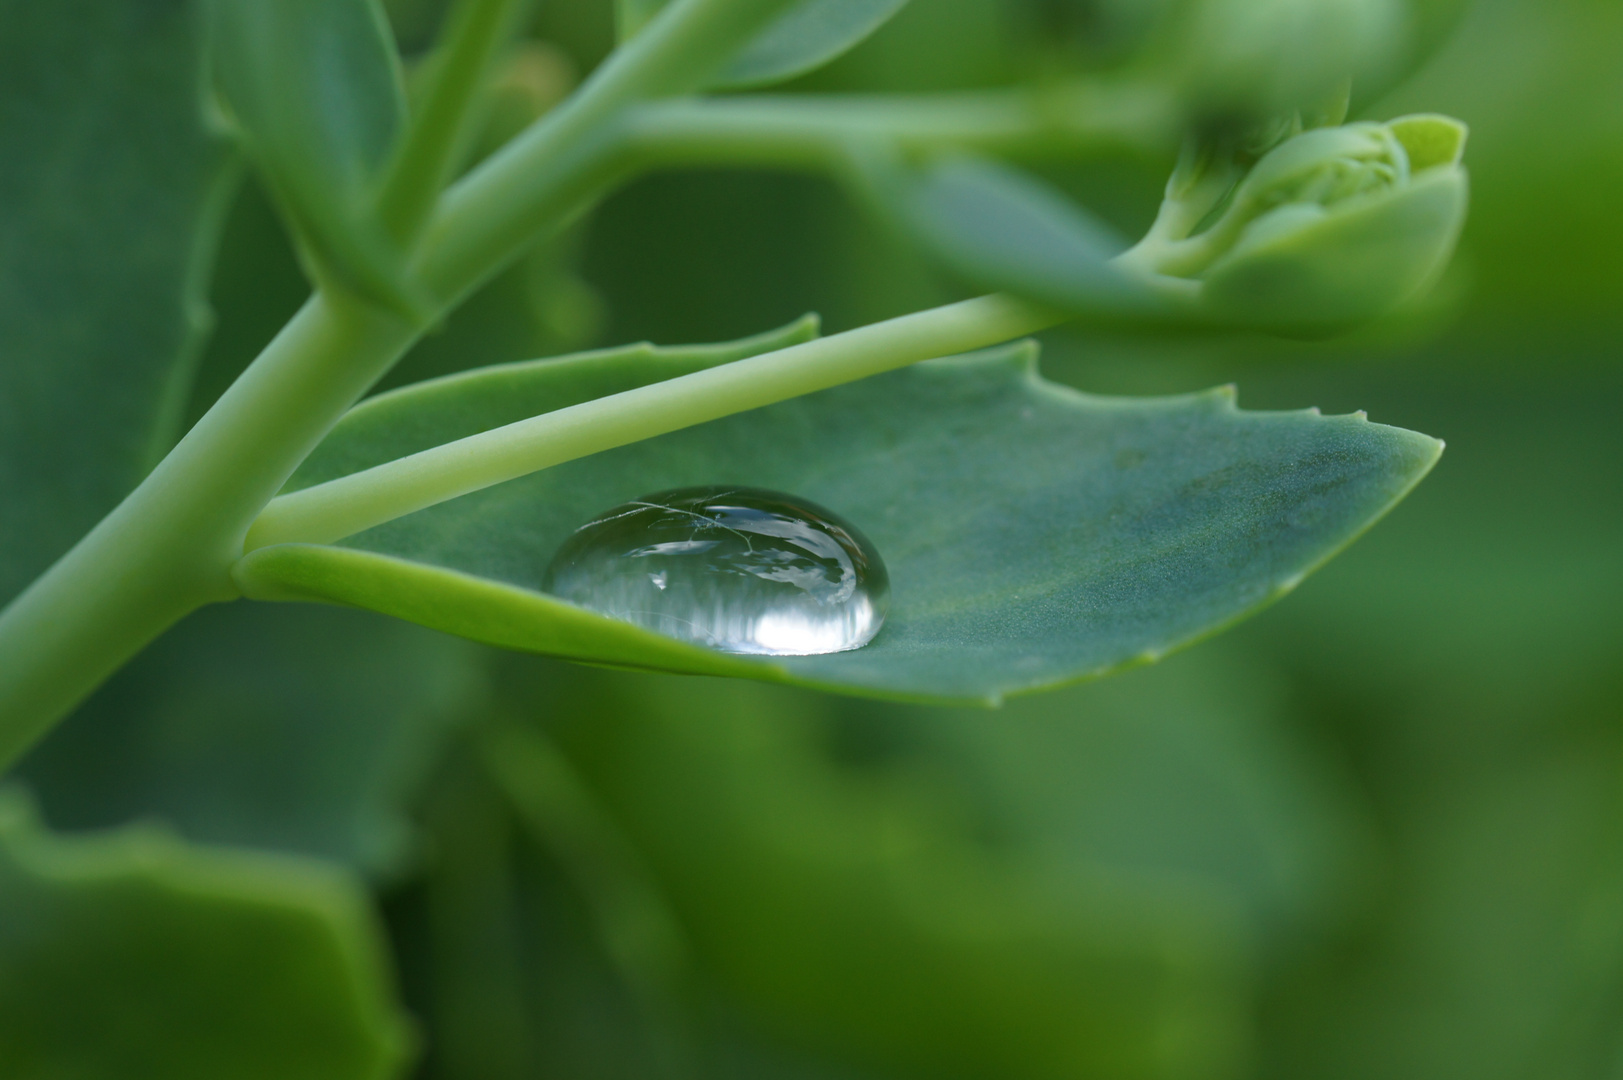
[(169, 547)]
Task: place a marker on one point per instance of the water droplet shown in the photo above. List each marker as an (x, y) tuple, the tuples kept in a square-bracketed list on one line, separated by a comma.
[(737, 569)]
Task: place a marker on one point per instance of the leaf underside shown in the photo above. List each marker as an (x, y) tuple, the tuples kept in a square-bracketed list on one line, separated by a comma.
[(1034, 535)]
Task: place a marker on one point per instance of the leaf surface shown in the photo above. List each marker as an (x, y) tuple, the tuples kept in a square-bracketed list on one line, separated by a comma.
[(113, 197), (130, 954), (1034, 535)]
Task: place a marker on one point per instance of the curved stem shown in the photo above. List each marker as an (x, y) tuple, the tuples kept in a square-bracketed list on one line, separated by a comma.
[(169, 546), (350, 504)]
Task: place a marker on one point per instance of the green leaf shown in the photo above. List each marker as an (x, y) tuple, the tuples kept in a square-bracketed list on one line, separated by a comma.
[(313, 91), (808, 35), (130, 954), (289, 728), (1034, 535), (113, 196), (804, 38), (1005, 229)]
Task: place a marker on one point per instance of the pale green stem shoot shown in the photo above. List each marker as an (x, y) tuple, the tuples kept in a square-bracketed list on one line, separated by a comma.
[(444, 114), (814, 131), (351, 504)]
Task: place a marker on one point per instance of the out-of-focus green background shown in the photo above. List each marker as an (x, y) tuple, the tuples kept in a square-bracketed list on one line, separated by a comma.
[(1376, 831)]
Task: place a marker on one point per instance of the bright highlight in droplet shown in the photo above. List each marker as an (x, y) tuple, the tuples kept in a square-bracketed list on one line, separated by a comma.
[(737, 569)]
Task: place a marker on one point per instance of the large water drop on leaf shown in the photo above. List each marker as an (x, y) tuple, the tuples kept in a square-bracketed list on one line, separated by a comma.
[(738, 569)]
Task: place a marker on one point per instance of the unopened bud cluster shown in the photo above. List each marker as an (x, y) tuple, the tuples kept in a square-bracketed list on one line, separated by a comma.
[(1331, 227)]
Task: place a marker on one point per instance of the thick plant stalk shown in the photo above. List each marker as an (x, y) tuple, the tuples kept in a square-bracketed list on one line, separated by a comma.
[(168, 548)]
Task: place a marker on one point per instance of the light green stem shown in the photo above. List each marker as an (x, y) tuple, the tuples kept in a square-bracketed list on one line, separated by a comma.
[(168, 548), (440, 126), (813, 131), (494, 212), (350, 504)]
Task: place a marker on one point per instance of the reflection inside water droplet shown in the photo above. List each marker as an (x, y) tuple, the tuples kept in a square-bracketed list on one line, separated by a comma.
[(738, 569)]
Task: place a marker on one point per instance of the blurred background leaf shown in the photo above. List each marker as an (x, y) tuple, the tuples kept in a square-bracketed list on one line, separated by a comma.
[(291, 728), (114, 195), (132, 954)]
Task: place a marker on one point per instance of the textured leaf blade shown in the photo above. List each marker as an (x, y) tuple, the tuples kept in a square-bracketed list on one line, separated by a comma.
[(114, 195), (131, 954), (1034, 535)]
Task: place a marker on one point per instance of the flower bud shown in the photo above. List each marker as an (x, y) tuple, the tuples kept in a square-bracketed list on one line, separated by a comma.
[(1332, 227)]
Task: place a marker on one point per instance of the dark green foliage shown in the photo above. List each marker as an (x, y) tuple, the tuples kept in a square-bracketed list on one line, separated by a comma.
[(113, 194), (295, 729), (804, 38), (1004, 229), (132, 955), (809, 34)]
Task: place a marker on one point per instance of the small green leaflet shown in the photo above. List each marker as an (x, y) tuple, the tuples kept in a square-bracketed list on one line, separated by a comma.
[(808, 35), (1003, 228), (313, 91)]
